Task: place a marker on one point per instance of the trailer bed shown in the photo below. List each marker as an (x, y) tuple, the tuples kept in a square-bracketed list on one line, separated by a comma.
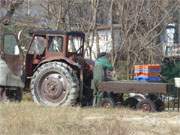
[(133, 87)]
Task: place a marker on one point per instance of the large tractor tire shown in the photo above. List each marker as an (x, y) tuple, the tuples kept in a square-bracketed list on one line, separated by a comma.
[(55, 84)]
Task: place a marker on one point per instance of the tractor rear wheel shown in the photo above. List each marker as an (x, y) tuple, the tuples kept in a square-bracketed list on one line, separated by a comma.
[(55, 84)]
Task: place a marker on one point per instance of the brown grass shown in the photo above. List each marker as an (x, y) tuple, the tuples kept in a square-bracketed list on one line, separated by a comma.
[(29, 119)]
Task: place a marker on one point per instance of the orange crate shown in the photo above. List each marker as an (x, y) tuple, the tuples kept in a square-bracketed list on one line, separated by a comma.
[(138, 67), (151, 66), (147, 68), (149, 74)]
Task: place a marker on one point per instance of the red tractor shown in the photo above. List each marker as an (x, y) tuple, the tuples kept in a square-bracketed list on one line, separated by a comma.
[(55, 68)]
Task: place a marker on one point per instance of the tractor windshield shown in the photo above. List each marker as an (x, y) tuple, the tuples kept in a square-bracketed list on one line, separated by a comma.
[(38, 46), (55, 44), (75, 44)]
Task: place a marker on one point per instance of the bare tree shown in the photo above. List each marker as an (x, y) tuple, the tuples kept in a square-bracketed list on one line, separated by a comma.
[(56, 12), (141, 23)]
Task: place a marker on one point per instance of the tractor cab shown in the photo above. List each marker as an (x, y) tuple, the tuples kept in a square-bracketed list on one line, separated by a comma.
[(55, 67), (48, 45)]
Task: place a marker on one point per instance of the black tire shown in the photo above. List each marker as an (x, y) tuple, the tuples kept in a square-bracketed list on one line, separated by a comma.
[(131, 102), (106, 103), (3, 94), (160, 106), (8, 94), (146, 105), (18, 95), (55, 84)]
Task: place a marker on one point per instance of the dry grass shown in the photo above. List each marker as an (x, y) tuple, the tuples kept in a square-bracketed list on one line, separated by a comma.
[(29, 119)]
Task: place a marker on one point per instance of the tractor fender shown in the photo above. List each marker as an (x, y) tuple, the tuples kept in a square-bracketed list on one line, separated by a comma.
[(137, 96), (59, 59)]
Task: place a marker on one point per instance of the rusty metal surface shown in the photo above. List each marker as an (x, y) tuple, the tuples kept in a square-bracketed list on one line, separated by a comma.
[(33, 61), (53, 88), (15, 63), (8, 78), (49, 32), (132, 87)]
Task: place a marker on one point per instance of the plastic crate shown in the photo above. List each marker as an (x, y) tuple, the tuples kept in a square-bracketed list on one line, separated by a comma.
[(148, 74), (138, 67), (145, 78), (155, 68), (151, 66)]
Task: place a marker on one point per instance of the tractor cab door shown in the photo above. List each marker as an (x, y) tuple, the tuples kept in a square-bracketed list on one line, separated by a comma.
[(35, 54), (11, 53)]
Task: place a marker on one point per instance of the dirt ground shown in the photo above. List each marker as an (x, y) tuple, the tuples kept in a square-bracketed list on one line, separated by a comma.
[(27, 118)]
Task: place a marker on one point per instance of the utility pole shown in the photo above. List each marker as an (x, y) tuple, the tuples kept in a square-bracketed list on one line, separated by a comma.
[(28, 10), (112, 30)]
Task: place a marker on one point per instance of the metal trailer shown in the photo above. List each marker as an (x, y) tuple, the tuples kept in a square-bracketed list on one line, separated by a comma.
[(148, 95)]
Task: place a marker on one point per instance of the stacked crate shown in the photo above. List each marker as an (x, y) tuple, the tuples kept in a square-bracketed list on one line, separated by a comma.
[(149, 72)]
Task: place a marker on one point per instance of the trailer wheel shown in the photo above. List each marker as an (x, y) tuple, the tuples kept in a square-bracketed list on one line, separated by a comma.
[(146, 105), (106, 103), (160, 106)]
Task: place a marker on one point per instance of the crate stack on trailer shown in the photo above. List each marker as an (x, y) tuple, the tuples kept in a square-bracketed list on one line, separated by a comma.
[(148, 72)]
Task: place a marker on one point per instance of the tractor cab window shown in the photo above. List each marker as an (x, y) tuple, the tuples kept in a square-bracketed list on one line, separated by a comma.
[(55, 44), (11, 45), (75, 44), (38, 45)]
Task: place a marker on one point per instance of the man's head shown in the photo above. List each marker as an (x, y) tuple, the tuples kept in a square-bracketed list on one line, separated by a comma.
[(102, 54), (168, 61)]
